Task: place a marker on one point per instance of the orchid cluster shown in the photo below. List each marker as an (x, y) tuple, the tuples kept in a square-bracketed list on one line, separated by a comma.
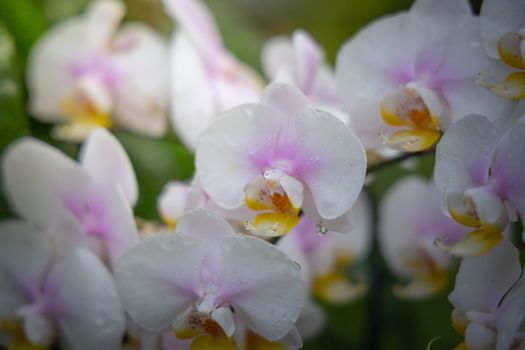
[(280, 215)]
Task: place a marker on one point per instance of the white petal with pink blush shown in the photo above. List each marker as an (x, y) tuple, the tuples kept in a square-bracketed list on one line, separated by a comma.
[(101, 76), (204, 277), (47, 298), (280, 156), (488, 300), (206, 79), (405, 78), (300, 61), (411, 221), (480, 179), (93, 198)]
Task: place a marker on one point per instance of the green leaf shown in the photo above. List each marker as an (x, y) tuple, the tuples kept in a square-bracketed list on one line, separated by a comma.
[(25, 21), (13, 121), (156, 161)]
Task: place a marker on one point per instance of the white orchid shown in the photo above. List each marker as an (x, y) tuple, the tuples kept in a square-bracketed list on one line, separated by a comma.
[(411, 221), (480, 178), (300, 61), (502, 26), (324, 259), (85, 74), (179, 197), (280, 156), (48, 298), (407, 78), (204, 277), (206, 79), (48, 189), (489, 300)]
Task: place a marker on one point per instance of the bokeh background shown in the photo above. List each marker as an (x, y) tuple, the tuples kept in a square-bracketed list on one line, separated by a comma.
[(377, 321)]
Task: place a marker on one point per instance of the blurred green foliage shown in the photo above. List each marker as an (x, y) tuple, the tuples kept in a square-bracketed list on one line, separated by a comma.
[(377, 321), (13, 120)]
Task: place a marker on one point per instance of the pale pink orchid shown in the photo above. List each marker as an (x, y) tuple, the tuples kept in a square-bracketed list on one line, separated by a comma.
[(48, 189), (179, 197), (49, 298), (324, 259), (86, 73), (204, 277), (489, 300), (406, 78), (300, 61), (410, 222), (502, 26), (278, 157), (205, 78), (480, 179)]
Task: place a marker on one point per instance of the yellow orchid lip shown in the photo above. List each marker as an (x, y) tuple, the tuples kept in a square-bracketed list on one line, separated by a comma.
[(407, 110), (334, 286), (512, 88), (205, 332), (510, 51), (428, 277), (476, 243), (279, 215), (85, 112), (18, 338)]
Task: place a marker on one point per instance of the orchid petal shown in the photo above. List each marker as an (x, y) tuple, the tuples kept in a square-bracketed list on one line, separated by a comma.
[(508, 169), (38, 179), (309, 58), (172, 202), (482, 281), (26, 255), (499, 18), (311, 321), (50, 60), (205, 226), (141, 56), (196, 21), (223, 156), (277, 52), (224, 317), (463, 156), (84, 292), (39, 329), (442, 8), (106, 161), (119, 229), (194, 106), (510, 314), (342, 162), (480, 337), (158, 263), (290, 102), (268, 297)]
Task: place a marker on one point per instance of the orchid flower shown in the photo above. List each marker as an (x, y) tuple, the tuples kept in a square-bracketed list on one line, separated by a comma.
[(47, 298), (480, 178), (280, 156), (48, 189), (204, 277), (411, 220), (179, 197), (489, 300), (206, 79), (502, 28), (300, 61), (324, 259), (85, 74), (406, 78)]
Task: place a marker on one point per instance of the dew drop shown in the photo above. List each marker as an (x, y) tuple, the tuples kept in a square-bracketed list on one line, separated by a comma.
[(321, 229)]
